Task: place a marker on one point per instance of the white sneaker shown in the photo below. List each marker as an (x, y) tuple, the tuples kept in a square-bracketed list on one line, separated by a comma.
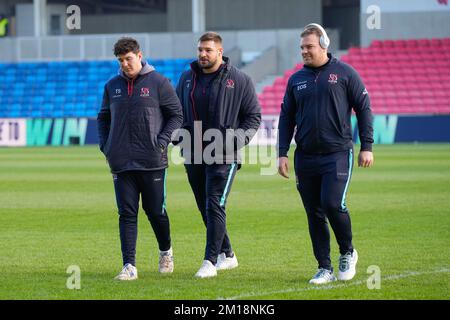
[(207, 270), (129, 272), (323, 276), (347, 265), (166, 262), (226, 263)]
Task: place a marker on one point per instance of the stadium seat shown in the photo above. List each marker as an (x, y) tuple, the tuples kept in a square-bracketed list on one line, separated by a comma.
[(65, 86), (393, 69)]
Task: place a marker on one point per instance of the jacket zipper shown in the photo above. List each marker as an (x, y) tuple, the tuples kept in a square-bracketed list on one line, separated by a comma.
[(130, 88), (317, 110), (194, 111)]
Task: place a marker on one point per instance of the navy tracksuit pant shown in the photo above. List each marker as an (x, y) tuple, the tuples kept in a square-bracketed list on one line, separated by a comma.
[(151, 186), (211, 185), (322, 181)]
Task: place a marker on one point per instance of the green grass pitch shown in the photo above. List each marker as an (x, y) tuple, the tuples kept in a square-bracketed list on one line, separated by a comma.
[(57, 209)]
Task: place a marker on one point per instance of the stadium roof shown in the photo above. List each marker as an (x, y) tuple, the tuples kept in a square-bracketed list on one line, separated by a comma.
[(116, 6)]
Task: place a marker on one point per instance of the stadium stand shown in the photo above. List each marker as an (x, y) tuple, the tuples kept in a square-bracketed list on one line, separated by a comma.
[(402, 77), (64, 89)]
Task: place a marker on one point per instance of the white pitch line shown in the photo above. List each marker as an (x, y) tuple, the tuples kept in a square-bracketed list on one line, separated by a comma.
[(334, 286)]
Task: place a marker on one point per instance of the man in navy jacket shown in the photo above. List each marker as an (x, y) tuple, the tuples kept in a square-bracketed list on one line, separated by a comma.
[(318, 103), (140, 110), (219, 100)]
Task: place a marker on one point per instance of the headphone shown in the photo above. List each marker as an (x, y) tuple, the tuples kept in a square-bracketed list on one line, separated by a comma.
[(324, 41)]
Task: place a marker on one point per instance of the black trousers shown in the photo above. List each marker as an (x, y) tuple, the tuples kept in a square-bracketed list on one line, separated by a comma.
[(151, 186), (211, 185), (322, 181)]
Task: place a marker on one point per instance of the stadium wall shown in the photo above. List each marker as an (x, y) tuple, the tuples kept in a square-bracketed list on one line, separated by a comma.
[(388, 129)]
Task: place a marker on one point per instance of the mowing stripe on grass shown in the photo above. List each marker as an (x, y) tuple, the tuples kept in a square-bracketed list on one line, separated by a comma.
[(334, 286)]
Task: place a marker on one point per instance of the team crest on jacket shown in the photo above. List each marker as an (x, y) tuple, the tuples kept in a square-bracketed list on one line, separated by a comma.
[(145, 92), (230, 84), (333, 78)]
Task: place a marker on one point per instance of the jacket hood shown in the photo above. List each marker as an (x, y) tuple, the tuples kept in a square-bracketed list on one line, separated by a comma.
[(146, 68)]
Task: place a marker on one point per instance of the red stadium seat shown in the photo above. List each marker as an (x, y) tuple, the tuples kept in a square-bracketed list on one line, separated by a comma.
[(411, 43), (395, 75), (423, 43), (376, 44), (445, 42), (436, 43), (388, 44)]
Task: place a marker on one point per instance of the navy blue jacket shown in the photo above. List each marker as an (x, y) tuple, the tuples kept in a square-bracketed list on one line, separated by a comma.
[(319, 103), (137, 119), (233, 104)]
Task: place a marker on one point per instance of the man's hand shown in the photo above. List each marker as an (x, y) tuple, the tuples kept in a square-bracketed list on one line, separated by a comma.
[(365, 159), (283, 167)]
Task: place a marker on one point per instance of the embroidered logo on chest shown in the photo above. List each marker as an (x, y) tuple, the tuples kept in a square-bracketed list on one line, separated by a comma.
[(118, 93), (145, 92), (230, 84), (333, 78)]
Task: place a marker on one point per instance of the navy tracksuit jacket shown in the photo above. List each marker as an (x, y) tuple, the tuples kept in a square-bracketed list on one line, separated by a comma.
[(225, 100), (317, 105), (135, 125)]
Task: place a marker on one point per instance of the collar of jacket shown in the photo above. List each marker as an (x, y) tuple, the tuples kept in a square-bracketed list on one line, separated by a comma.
[(331, 60), (146, 68), (195, 67)]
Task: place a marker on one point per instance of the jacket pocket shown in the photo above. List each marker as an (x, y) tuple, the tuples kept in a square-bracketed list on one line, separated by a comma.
[(107, 145)]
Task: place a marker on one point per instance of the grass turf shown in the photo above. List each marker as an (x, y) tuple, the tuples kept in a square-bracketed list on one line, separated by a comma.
[(57, 209)]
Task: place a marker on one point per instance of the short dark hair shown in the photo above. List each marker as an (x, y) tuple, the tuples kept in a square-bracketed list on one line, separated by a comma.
[(311, 30), (211, 36), (125, 45)]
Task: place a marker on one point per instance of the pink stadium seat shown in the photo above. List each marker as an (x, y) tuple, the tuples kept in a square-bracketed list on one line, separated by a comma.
[(429, 101), (269, 89), (445, 42), (391, 102), (408, 73), (390, 94), (376, 44), (443, 101), (354, 50), (423, 43), (382, 110), (279, 89), (396, 78), (365, 51), (439, 93), (404, 101), (411, 43), (395, 74), (289, 73), (280, 81), (436, 42), (400, 44), (414, 93), (357, 58), (388, 43), (427, 93), (402, 94), (444, 110)]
